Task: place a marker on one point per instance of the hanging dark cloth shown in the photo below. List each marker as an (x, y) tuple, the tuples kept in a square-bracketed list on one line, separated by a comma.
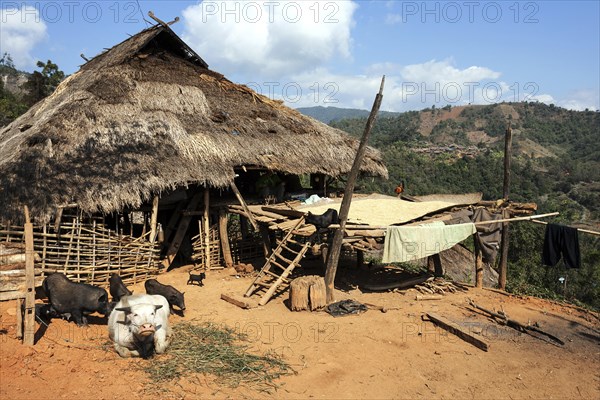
[(561, 240), (488, 235)]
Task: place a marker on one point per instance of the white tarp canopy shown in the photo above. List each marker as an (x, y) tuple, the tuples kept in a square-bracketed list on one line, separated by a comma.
[(382, 210)]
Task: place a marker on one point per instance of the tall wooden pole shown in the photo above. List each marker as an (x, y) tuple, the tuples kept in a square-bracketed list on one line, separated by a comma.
[(334, 254), (503, 266), (29, 320)]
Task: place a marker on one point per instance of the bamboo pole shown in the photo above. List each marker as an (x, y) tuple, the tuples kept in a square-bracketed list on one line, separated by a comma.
[(502, 269), (528, 218), (334, 255), (578, 229), (154, 219)]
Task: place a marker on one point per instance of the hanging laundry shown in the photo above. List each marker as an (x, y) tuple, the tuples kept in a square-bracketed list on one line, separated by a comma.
[(561, 240), (408, 243)]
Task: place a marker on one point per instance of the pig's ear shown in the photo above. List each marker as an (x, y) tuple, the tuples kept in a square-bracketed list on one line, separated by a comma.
[(126, 310), (157, 307)]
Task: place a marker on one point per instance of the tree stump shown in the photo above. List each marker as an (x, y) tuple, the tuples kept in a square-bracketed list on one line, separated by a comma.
[(307, 293)]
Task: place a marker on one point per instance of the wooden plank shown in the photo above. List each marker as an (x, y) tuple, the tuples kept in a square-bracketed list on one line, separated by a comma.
[(458, 331)]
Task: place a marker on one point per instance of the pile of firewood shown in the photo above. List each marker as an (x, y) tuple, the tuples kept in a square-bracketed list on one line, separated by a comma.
[(438, 286)]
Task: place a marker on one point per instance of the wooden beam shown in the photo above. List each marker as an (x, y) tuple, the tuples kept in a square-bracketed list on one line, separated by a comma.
[(29, 320), (336, 246), (244, 205), (458, 331), (154, 219), (224, 238)]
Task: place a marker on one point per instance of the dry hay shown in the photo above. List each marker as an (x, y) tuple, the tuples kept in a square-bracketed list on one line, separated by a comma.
[(210, 349)]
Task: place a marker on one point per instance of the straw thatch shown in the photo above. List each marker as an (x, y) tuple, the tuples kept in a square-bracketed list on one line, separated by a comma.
[(146, 116)]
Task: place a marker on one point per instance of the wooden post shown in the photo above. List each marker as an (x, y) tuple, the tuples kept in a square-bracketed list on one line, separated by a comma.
[(266, 240), (334, 255), (206, 229), (224, 238), (154, 219), (360, 258), (478, 265), (29, 320), (434, 265), (503, 265)]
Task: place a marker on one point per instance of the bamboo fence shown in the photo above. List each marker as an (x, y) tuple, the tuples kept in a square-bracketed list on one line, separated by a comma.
[(87, 252), (214, 249)]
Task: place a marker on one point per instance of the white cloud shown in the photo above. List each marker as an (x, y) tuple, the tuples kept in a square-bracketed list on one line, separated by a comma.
[(21, 29), (444, 72), (269, 39), (580, 100)]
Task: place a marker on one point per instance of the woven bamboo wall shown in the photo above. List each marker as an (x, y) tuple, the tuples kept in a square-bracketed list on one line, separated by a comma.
[(90, 253)]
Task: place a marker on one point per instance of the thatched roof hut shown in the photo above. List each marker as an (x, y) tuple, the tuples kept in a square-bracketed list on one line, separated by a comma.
[(147, 116)]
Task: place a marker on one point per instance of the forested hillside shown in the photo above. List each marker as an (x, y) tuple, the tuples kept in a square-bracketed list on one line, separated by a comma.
[(556, 163)]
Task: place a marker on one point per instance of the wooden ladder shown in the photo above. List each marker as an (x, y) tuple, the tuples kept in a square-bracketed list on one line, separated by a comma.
[(267, 277)]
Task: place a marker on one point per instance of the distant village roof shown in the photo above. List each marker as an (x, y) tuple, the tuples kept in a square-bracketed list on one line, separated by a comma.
[(146, 116)]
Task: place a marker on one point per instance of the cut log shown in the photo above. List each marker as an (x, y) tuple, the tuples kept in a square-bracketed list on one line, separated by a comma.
[(307, 293)]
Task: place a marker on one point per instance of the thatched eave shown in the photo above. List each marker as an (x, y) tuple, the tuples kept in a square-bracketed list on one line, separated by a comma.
[(141, 119)]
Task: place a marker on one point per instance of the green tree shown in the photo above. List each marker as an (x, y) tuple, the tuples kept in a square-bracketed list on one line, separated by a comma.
[(42, 83)]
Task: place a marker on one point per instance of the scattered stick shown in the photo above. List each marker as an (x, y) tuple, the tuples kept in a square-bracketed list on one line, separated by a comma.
[(421, 297), (502, 318), (458, 331)]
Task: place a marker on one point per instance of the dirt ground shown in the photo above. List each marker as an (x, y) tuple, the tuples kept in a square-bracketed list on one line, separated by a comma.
[(372, 355)]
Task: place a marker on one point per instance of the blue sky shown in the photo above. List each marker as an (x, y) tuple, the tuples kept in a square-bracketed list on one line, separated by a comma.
[(333, 53)]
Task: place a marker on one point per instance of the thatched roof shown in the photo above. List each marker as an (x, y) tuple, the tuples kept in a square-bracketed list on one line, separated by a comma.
[(146, 116)]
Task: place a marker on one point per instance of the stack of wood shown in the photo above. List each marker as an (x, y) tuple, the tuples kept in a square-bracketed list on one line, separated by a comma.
[(12, 270), (307, 293), (438, 286)]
